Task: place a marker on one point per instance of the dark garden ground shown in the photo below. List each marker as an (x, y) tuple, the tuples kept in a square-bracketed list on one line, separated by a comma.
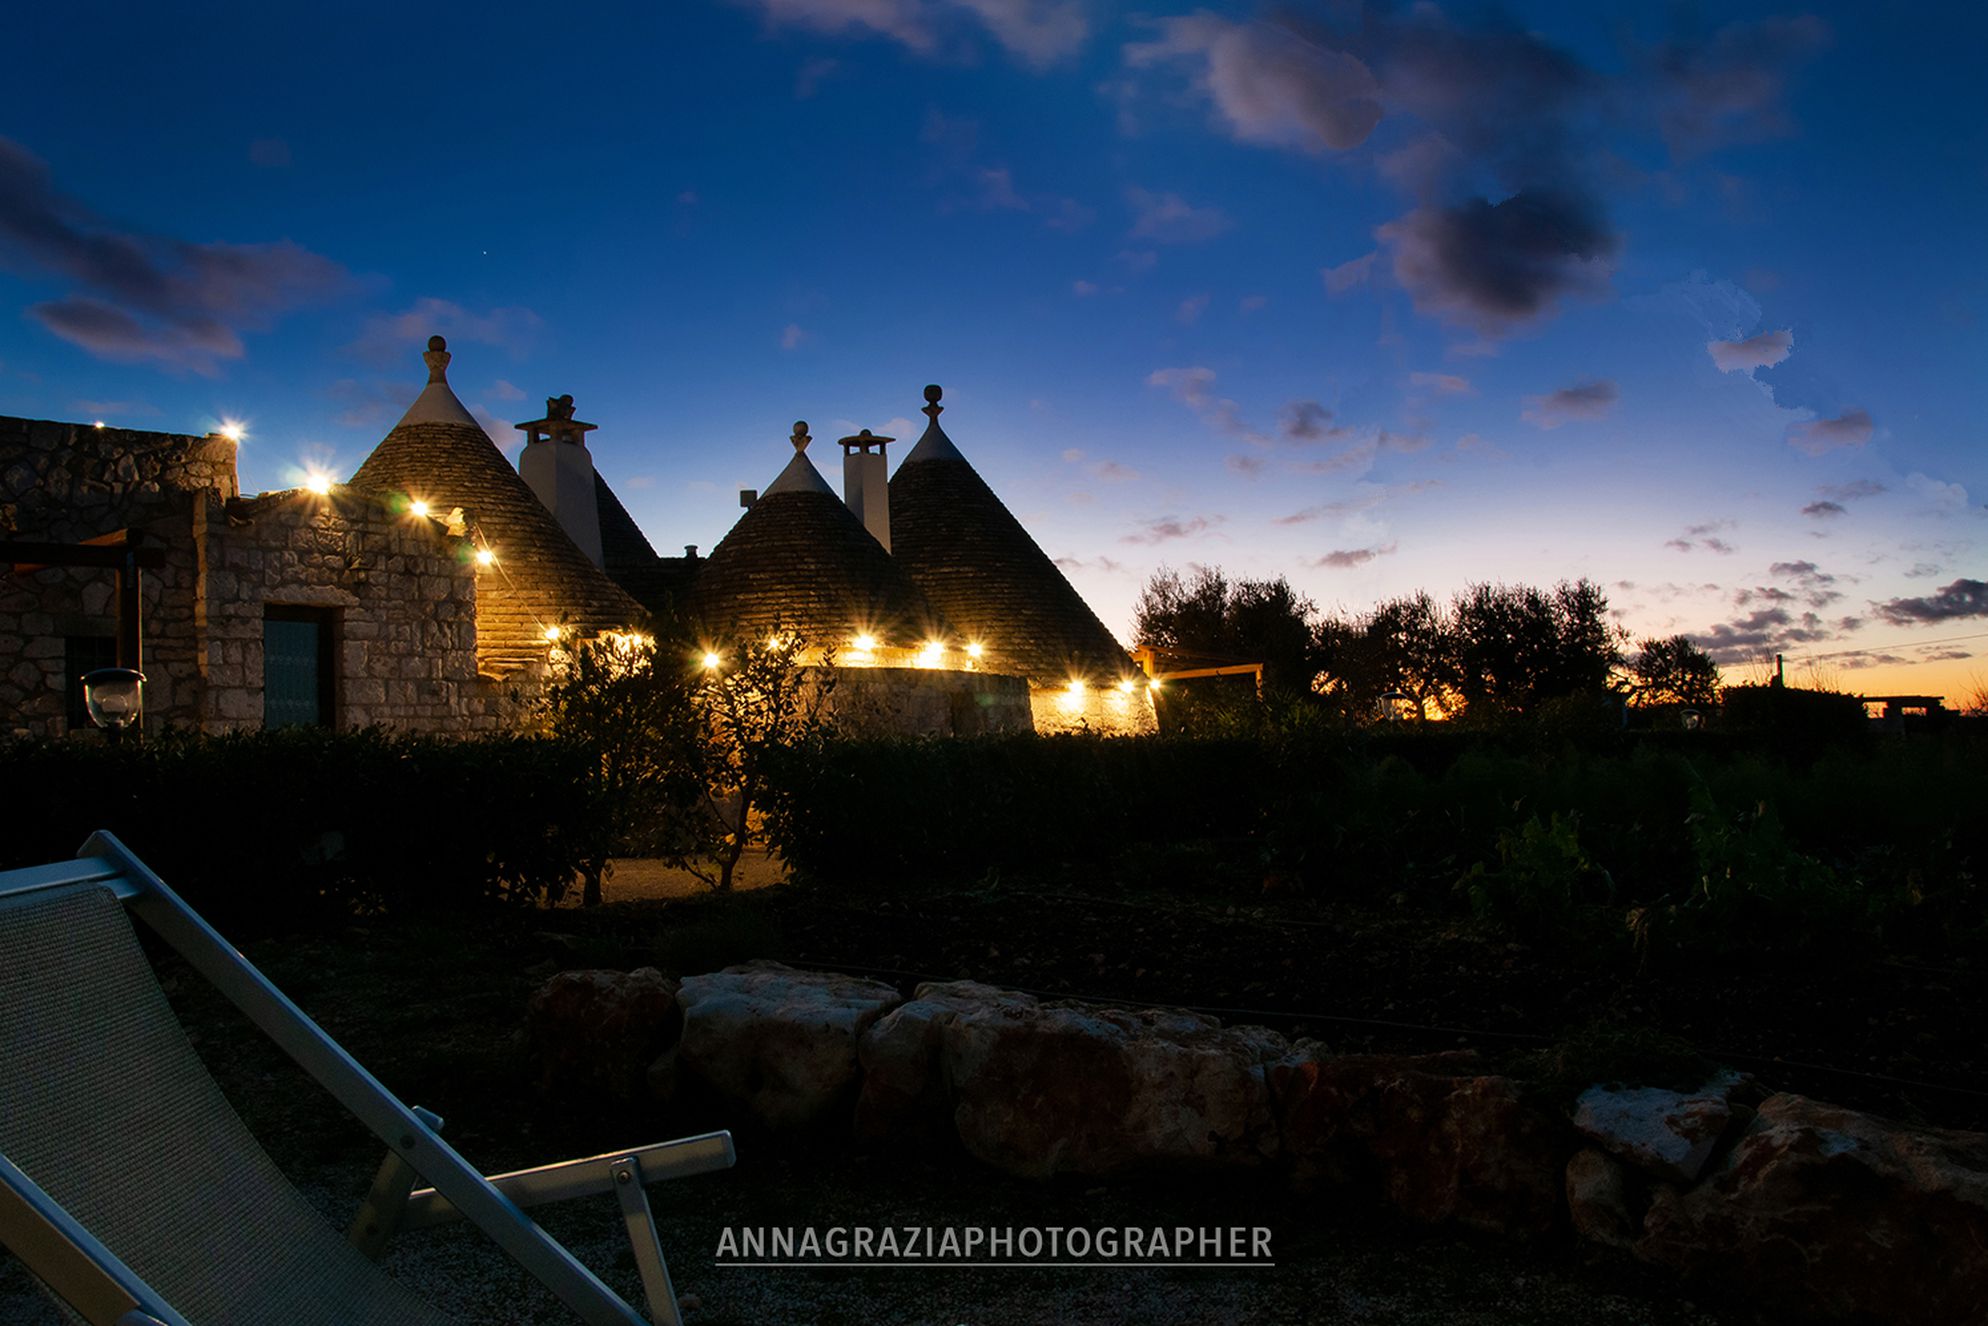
[(435, 1010), (1575, 909)]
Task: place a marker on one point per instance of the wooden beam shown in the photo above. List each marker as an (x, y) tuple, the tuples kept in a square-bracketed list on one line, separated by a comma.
[(25, 556)]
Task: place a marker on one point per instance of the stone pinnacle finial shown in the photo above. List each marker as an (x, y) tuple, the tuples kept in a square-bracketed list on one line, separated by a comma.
[(932, 408), (437, 358), (800, 439)]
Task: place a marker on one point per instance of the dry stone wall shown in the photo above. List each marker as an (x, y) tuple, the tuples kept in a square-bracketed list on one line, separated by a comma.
[(1809, 1209)]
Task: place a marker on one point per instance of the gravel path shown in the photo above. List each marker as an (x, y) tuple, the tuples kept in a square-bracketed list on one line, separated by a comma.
[(1332, 1266)]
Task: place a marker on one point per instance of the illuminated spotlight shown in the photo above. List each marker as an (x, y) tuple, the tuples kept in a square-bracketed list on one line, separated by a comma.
[(865, 643), (1152, 683), (775, 643), (1076, 685), (233, 431), (99, 423), (932, 655), (318, 482), (417, 508), (711, 662), (974, 650), (552, 633), (484, 557), (1125, 685)]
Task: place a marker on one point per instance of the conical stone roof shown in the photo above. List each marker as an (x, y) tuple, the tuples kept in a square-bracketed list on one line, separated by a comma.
[(980, 568), (440, 455), (657, 583), (799, 559)]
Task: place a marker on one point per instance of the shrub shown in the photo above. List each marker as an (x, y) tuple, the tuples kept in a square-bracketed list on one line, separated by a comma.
[(302, 827), (1544, 883), (1711, 843)]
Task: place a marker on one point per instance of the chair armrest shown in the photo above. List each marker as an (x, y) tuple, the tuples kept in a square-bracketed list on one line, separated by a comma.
[(581, 1178)]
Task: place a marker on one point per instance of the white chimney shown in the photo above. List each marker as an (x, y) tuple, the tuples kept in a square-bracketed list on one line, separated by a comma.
[(866, 483), (560, 469)]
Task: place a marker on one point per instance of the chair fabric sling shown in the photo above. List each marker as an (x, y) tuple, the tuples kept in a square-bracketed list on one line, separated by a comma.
[(105, 1105)]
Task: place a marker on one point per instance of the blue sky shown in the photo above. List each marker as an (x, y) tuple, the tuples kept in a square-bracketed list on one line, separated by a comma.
[(1378, 298)]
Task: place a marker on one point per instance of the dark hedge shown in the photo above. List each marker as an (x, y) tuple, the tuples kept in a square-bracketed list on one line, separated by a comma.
[(1707, 841), (302, 828)]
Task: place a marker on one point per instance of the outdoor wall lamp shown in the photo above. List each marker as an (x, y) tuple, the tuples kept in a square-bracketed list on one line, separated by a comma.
[(115, 698)]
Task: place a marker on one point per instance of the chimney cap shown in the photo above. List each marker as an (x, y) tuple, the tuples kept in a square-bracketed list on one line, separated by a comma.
[(558, 423), (864, 440)]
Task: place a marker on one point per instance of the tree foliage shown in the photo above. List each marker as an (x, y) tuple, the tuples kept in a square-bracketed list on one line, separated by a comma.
[(1518, 646), (756, 704), (1493, 651), (1672, 670), (1257, 621), (679, 738), (631, 712), (1402, 647)]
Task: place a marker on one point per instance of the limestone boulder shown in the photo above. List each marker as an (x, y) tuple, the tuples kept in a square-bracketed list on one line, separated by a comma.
[(1827, 1212), (592, 1035), (905, 1098), (1441, 1141), (1601, 1203), (775, 1044), (1045, 1089), (1670, 1134)]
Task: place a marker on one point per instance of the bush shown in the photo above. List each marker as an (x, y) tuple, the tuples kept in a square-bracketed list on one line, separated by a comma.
[(1544, 883), (1792, 715), (305, 828), (1708, 843), (899, 809)]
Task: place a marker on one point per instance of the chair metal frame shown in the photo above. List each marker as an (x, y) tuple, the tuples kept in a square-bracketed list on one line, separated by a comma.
[(94, 1281)]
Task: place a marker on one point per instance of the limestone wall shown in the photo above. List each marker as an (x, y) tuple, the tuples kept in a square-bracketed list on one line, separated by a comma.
[(64, 483), (403, 596), (924, 702), (1094, 709)]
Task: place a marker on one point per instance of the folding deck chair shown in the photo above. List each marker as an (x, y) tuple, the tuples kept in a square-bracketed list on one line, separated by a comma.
[(131, 1188)]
